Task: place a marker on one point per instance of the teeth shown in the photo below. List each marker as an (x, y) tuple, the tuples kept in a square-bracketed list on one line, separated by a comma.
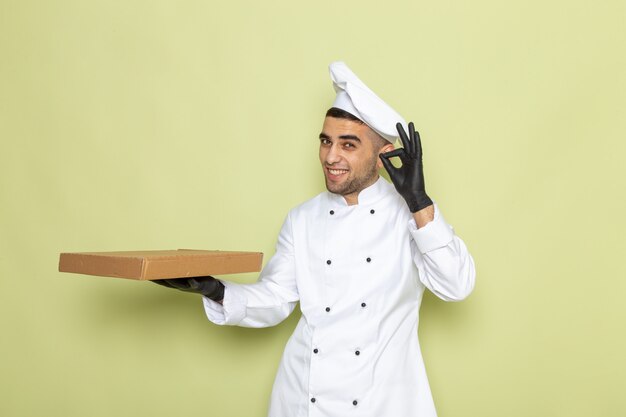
[(338, 171)]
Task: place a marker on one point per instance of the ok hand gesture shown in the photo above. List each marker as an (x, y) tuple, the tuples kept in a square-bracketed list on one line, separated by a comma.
[(409, 178)]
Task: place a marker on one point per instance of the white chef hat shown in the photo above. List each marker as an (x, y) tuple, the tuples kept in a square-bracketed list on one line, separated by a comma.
[(357, 99)]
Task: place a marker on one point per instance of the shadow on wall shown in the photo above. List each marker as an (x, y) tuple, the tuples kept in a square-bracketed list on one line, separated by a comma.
[(114, 308), (453, 317)]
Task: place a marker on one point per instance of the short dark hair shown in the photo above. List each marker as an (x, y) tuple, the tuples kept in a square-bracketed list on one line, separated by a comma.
[(342, 114)]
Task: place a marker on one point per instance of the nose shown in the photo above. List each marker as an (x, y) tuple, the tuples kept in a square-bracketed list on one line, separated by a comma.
[(333, 156)]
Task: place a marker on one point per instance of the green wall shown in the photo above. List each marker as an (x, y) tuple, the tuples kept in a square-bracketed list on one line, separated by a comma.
[(193, 124)]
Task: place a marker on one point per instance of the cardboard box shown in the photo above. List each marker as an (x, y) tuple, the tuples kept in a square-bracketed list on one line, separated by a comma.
[(160, 264)]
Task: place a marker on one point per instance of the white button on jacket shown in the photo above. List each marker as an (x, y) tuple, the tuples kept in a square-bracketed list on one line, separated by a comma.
[(359, 274)]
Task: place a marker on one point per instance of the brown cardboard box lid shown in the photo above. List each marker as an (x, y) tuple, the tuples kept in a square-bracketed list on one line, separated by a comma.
[(160, 264)]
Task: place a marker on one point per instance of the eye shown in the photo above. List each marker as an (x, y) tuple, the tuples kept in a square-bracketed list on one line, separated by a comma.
[(324, 141), (349, 145)]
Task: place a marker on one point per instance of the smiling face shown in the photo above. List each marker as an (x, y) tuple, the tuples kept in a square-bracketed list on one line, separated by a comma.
[(349, 156)]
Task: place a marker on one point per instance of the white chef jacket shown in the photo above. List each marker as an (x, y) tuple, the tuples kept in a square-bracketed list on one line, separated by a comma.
[(359, 273)]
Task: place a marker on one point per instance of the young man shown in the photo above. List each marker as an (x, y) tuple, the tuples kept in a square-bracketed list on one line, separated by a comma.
[(358, 259)]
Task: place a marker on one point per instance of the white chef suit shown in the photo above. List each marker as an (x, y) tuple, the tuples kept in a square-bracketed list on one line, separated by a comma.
[(359, 273)]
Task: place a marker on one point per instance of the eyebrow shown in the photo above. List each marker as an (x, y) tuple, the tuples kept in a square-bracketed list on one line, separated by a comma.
[(348, 137)]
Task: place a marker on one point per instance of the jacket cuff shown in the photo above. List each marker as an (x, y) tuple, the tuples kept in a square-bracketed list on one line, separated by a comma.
[(434, 235), (233, 308)]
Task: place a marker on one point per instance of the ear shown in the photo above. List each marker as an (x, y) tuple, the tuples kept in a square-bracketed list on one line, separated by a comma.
[(386, 148)]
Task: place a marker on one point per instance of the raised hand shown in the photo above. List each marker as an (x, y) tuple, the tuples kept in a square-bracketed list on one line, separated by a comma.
[(409, 178)]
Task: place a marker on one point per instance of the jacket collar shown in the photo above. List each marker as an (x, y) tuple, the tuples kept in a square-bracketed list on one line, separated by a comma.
[(367, 196)]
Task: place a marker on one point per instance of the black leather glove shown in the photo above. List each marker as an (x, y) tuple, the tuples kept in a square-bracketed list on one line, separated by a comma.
[(409, 178), (207, 286)]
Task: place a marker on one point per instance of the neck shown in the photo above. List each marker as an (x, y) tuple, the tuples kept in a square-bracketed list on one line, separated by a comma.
[(352, 199)]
